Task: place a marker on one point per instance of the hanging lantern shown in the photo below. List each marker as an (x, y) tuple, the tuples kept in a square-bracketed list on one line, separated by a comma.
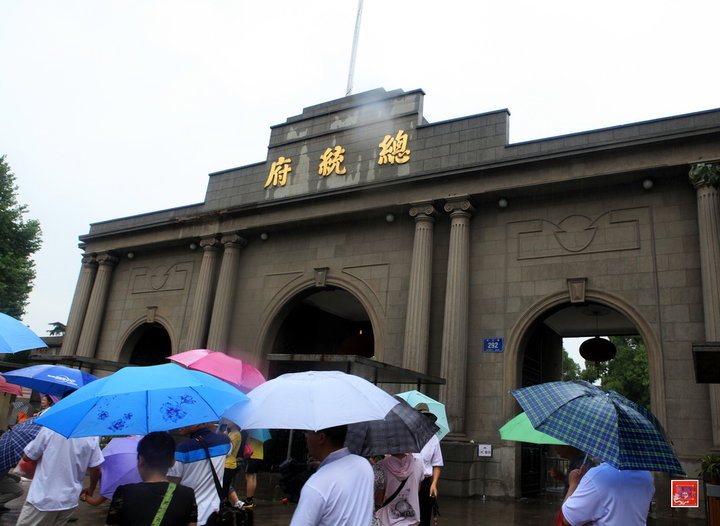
[(598, 350)]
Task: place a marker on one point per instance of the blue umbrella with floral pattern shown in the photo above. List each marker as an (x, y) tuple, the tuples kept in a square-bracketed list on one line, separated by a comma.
[(138, 400)]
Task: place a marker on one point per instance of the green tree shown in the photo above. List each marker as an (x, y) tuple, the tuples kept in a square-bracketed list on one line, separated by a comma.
[(20, 239), (58, 328), (570, 368), (627, 373)]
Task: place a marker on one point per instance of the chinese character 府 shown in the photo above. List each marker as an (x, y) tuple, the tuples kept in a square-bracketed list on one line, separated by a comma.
[(394, 149), (331, 161), (279, 172)]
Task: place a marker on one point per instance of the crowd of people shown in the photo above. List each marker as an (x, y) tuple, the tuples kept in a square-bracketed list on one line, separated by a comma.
[(179, 484)]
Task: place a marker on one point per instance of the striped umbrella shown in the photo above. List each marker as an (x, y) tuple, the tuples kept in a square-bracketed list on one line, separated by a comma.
[(600, 422)]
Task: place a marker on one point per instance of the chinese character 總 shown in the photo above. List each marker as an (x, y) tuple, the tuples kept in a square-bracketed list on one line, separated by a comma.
[(394, 149)]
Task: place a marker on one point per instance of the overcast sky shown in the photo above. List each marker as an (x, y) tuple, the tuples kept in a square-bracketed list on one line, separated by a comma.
[(114, 108)]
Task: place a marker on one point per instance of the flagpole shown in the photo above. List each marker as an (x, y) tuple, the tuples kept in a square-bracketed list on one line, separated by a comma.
[(351, 74)]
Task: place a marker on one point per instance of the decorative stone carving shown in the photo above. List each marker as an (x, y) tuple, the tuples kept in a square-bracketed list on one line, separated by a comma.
[(576, 289), (321, 276)]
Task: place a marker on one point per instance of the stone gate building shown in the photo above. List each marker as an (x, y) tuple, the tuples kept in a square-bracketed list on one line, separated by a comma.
[(439, 248)]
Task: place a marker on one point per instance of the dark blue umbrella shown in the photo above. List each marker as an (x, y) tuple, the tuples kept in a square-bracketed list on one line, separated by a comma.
[(13, 441), (49, 379), (599, 422), (138, 400), (16, 337)]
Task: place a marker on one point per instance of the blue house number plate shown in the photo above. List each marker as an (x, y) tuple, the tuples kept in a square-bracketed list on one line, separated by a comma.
[(493, 345)]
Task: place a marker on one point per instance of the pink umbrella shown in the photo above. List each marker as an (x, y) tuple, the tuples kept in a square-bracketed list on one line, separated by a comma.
[(243, 376), (7, 387)]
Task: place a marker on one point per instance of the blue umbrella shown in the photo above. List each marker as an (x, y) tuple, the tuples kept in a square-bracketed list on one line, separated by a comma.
[(13, 442), (600, 422), (16, 337), (138, 400), (49, 379)]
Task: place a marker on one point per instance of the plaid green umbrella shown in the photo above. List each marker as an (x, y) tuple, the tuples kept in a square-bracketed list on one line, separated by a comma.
[(520, 429), (600, 422)]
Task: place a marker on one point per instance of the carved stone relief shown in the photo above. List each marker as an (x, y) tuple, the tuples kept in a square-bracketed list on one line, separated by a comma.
[(610, 231), (163, 278)]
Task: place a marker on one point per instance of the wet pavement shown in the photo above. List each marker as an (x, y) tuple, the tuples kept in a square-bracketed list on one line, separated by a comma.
[(453, 512)]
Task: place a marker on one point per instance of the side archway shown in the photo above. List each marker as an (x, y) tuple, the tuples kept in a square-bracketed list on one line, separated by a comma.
[(147, 343), (520, 332)]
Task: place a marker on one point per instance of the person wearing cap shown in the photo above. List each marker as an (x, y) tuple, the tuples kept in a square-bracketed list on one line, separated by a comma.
[(432, 459)]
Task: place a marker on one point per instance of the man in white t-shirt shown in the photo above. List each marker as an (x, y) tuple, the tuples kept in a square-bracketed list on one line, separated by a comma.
[(432, 458), (340, 492), (606, 496), (61, 466)]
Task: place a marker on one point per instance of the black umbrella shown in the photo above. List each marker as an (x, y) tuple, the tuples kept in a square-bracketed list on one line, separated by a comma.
[(403, 430)]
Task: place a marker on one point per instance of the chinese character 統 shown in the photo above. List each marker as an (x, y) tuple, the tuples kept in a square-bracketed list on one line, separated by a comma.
[(331, 161)]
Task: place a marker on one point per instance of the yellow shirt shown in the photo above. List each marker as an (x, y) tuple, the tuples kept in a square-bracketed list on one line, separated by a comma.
[(257, 448), (231, 460)]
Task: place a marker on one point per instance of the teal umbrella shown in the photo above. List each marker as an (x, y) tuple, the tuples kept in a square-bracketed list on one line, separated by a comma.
[(414, 398), (521, 430)]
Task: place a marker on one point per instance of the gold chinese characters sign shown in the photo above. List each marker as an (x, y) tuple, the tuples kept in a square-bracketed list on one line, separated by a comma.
[(393, 150)]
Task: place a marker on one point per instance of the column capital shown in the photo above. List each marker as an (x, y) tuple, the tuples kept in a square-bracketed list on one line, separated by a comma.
[(209, 243), (424, 211), (89, 260), (233, 238), (705, 174), (106, 258), (459, 206)]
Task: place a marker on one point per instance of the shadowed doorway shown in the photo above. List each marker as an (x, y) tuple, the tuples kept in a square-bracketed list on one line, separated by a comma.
[(149, 344), (329, 321)]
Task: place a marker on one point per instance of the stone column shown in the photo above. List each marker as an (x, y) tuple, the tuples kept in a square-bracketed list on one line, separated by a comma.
[(708, 205), (225, 293), (455, 324), (96, 305), (417, 317), (79, 304), (200, 316)]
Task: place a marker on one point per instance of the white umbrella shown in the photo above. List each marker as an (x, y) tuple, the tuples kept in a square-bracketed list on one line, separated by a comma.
[(311, 400)]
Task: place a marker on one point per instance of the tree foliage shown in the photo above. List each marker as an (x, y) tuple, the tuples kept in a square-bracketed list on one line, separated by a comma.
[(58, 328), (627, 373), (570, 368), (20, 239)]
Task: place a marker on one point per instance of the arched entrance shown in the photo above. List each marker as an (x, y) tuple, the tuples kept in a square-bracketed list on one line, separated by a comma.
[(328, 321), (535, 356), (147, 344)]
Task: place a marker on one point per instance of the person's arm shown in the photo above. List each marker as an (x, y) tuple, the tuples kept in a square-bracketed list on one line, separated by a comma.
[(309, 508), (574, 478), (435, 478), (94, 478)]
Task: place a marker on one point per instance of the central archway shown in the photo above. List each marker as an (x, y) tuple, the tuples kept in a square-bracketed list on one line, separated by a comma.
[(328, 321)]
